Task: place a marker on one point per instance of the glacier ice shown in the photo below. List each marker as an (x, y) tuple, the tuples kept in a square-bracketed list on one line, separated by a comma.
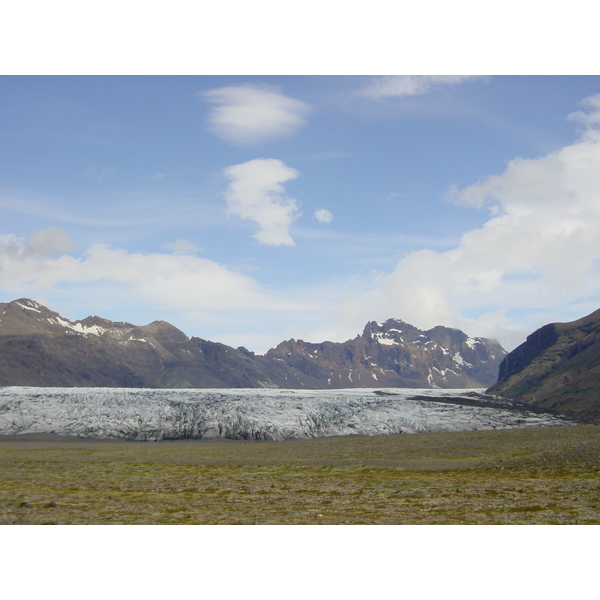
[(262, 414)]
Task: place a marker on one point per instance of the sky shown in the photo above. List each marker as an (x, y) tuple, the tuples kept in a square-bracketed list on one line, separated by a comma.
[(252, 209)]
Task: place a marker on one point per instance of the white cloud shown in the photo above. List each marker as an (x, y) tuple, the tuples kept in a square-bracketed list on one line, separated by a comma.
[(24, 260), (249, 114), (539, 250), (323, 216), (47, 242), (180, 282), (182, 246), (256, 193), (589, 118), (399, 86)]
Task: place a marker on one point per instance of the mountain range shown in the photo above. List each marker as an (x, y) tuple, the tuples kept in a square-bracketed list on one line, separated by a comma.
[(39, 347)]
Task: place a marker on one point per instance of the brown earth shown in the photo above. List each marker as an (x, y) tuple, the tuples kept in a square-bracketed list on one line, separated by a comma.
[(548, 475)]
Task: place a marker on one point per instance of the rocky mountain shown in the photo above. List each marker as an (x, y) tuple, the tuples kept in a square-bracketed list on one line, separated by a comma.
[(557, 368), (396, 354), (38, 347)]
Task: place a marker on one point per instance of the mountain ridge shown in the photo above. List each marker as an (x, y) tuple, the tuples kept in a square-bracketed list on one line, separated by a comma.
[(396, 354), (556, 368), (38, 347)]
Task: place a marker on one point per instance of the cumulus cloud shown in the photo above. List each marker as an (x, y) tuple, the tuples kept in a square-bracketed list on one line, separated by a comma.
[(323, 216), (256, 193), (24, 260), (539, 250), (398, 86), (182, 282), (47, 242), (250, 114), (590, 118)]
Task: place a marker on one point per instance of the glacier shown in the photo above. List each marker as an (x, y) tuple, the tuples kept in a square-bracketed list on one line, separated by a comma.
[(258, 414)]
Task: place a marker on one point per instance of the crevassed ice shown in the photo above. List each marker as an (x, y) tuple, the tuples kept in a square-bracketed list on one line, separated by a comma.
[(275, 414)]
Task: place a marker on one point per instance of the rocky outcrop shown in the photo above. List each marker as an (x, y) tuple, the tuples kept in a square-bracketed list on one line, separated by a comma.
[(38, 347), (556, 368)]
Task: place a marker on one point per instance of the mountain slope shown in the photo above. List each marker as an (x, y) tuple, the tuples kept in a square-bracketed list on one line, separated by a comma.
[(38, 347), (557, 367)]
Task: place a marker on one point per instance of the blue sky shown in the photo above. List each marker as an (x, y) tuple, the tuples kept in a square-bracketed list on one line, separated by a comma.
[(252, 209)]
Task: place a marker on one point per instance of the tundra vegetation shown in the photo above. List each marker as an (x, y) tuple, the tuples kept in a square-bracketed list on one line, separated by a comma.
[(546, 475)]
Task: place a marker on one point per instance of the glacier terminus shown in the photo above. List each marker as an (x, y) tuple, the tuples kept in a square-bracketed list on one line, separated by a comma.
[(254, 414)]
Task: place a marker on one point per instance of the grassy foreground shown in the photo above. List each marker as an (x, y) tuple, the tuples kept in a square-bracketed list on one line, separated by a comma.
[(547, 475)]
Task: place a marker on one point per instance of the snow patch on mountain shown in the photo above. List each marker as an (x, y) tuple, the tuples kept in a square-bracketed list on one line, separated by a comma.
[(459, 360), (472, 342), (30, 306), (382, 338), (78, 327)]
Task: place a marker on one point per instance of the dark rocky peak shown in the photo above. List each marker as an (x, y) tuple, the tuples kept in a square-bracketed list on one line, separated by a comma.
[(473, 350), (26, 317), (446, 335), (100, 327), (163, 331), (456, 340), (23, 305), (391, 326), (390, 332), (105, 323), (395, 331), (290, 345), (535, 344), (245, 351), (27, 304)]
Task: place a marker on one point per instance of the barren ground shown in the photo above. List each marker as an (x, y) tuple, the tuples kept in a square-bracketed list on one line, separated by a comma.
[(548, 475)]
